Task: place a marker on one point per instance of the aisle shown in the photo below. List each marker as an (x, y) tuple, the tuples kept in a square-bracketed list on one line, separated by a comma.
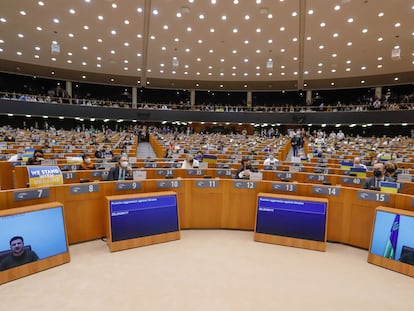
[(145, 150)]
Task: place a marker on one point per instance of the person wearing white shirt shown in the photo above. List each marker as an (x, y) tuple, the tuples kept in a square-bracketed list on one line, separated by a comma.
[(270, 160), (190, 162)]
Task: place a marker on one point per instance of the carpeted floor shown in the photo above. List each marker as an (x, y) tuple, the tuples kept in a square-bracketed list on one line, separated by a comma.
[(211, 270)]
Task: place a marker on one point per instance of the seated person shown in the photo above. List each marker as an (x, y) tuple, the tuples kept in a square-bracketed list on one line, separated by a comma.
[(37, 157), (373, 183), (357, 163), (199, 156), (245, 169), (190, 162), (391, 170), (122, 171), (270, 160), (18, 156), (19, 255), (86, 163)]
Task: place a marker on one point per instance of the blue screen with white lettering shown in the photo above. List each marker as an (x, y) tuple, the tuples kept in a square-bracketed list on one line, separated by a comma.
[(291, 218), (143, 216)]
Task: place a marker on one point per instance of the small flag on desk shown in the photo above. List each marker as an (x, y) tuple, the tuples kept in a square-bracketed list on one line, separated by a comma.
[(209, 158), (346, 165), (391, 247), (360, 172), (389, 186)]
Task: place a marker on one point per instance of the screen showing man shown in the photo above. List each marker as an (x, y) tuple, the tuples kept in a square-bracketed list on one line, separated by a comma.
[(19, 254)]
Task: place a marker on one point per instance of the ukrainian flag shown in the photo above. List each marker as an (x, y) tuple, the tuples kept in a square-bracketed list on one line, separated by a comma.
[(209, 158), (389, 186), (391, 247), (346, 165), (359, 171)]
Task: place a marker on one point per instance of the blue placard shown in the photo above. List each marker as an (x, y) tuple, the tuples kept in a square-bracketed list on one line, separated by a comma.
[(224, 172), (207, 183), (291, 218), (40, 175), (139, 217), (285, 175), (165, 172)]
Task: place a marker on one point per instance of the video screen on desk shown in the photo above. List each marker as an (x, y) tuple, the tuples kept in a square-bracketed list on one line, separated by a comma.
[(393, 236), (33, 234), (143, 216), (292, 218)]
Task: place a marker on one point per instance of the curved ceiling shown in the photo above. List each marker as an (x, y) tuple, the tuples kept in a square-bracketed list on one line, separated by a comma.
[(207, 44)]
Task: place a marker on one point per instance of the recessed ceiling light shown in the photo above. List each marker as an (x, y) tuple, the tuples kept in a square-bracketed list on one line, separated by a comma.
[(362, 81), (335, 35), (247, 17), (235, 30), (310, 12), (294, 13), (294, 39), (258, 30), (224, 17), (113, 32), (295, 73), (319, 71), (37, 48), (380, 14), (246, 60), (3, 20), (178, 14), (41, 3), (152, 37), (99, 40), (348, 61), (333, 70), (365, 30), (349, 44), (334, 55), (350, 20), (270, 41), (139, 10), (112, 52), (200, 41), (53, 59), (98, 58), (246, 41), (36, 56), (84, 63), (189, 29), (309, 38), (396, 78), (380, 39), (22, 13), (282, 28), (337, 7), (176, 39), (114, 5), (19, 53), (20, 35), (234, 51), (155, 12), (98, 65), (320, 65), (86, 27), (39, 28), (100, 17), (379, 66), (201, 16), (69, 61), (56, 21), (212, 30), (211, 51), (321, 47), (323, 24), (126, 44), (348, 69), (72, 11), (282, 50), (332, 83), (363, 68), (397, 25), (85, 48)]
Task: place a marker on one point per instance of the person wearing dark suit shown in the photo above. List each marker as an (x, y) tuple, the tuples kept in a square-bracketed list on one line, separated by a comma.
[(122, 171), (37, 158), (245, 169), (373, 182)]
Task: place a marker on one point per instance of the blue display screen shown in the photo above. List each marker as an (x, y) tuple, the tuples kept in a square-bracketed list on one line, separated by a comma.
[(43, 230), (291, 218), (393, 236), (139, 217)]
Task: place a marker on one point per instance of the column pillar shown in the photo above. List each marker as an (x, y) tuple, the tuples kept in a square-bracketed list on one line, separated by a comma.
[(69, 90), (308, 97), (249, 102), (378, 92), (192, 98), (134, 97)]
